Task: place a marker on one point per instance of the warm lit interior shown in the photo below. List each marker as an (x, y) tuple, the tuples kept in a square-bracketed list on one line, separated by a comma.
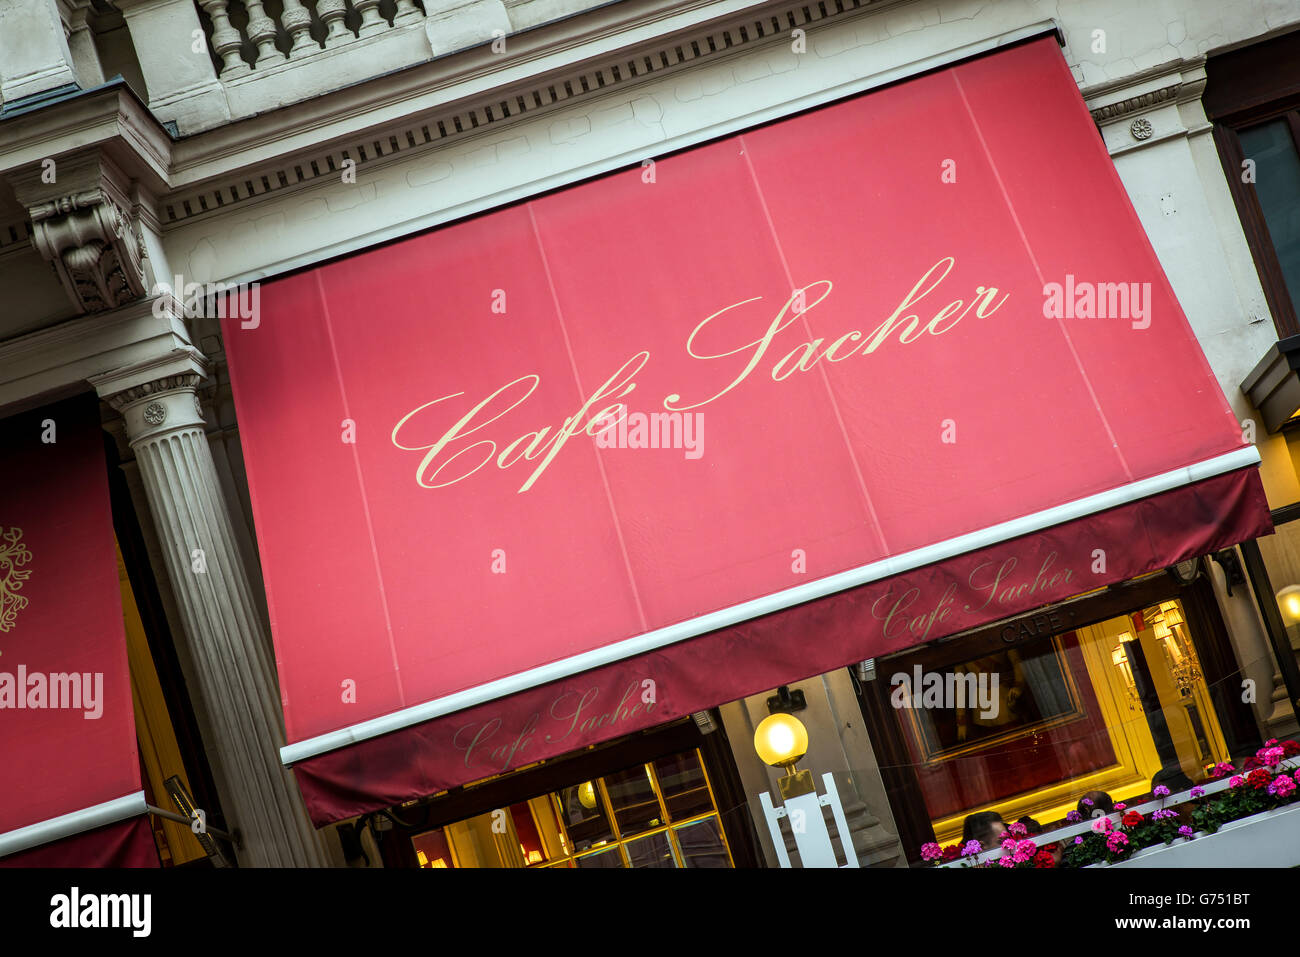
[(1067, 718), (659, 814)]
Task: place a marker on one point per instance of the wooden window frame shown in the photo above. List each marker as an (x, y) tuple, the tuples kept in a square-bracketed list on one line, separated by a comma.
[(731, 806), (1246, 88)]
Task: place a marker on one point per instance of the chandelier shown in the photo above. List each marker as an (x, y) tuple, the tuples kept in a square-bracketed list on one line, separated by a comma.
[(1171, 629)]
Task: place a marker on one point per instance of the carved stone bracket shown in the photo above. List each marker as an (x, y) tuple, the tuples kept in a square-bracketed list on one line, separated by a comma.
[(81, 224)]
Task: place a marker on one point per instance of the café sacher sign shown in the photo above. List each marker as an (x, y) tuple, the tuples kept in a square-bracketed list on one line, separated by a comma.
[(545, 450)]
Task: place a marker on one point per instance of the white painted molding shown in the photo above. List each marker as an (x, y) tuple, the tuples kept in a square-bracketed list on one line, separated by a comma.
[(63, 358), (1143, 110), (474, 79)]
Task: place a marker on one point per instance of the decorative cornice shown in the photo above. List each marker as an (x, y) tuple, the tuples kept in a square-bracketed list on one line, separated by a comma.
[(433, 130), (1136, 104), (1178, 81)]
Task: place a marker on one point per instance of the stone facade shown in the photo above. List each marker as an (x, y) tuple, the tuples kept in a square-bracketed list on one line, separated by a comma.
[(236, 146)]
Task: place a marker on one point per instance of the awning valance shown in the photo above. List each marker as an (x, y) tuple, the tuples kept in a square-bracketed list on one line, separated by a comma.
[(605, 428)]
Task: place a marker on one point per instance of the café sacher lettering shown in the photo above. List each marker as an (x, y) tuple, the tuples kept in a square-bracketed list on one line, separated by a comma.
[(990, 584), (464, 448), (572, 716)]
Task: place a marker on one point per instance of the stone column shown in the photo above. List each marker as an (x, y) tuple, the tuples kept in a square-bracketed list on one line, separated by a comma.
[(227, 640), (34, 54)]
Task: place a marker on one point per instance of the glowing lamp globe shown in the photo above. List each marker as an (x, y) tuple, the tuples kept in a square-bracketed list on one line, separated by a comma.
[(587, 795), (781, 740), (1288, 601)]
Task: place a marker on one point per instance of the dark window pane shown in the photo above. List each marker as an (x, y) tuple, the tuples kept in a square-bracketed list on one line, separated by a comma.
[(681, 779), (609, 858), (701, 844), (584, 815), (1277, 186), (654, 850), (633, 798)]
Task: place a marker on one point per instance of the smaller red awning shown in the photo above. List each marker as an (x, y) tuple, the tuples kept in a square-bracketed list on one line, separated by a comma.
[(72, 793), (799, 642)]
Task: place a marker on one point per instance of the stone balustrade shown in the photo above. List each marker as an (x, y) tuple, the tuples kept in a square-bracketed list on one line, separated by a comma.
[(200, 64), (248, 35)]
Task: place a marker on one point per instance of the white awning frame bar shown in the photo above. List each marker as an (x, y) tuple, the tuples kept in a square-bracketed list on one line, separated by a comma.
[(69, 825), (726, 617)]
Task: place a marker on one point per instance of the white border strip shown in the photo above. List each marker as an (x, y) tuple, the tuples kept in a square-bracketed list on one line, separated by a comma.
[(630, 158), (723, 618), (67, 825)]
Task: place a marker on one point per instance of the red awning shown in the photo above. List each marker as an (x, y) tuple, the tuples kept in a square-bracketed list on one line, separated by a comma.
[(900, 341), (72, 794), (784, 647)]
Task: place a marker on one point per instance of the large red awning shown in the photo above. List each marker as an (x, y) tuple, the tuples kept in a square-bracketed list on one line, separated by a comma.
[(72, 795), (905, 351)]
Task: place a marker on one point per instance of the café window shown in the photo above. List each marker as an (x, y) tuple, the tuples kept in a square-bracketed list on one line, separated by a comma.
[(1251, 95), (1024, 717), (661, 813)]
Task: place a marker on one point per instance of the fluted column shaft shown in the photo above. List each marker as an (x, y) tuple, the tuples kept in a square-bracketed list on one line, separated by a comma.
[(227, 639)]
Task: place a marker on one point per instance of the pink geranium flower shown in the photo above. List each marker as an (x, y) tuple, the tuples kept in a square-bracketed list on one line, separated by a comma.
[(1271, 757)]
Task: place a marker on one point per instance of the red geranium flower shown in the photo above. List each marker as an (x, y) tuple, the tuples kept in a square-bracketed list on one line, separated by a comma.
[(1132, 819), (1250, 764), (1043, 859), (1290, 749), (951, 852), (1259, 778)]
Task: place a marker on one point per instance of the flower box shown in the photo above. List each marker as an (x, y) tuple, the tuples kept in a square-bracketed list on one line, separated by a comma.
[(1267, 839)]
